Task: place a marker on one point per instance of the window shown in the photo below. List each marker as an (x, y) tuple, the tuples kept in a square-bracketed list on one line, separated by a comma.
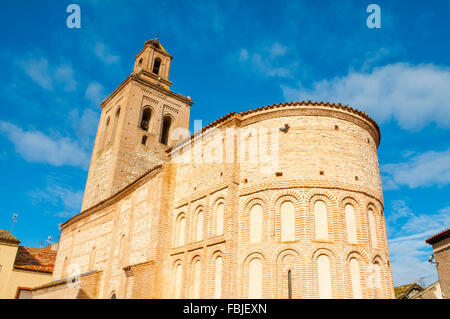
[(199, 235), (116, 122), (105, 133), (256, 224), (180, 230), (372, 228), (255, 279), (321, 220), (156, 65), (287, 221), (65, 265), (355, 278), (167, 121), (324, 274), (145, 119), (219, 219), (196, 279), (350, 223), (92, 260), (375, 279), (113, 296), (218, 278), (122, 247), (178, 280), (24, 293)]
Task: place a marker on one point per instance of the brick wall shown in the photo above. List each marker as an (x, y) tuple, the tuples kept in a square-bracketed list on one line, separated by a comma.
[(442, 257), (319, 157)]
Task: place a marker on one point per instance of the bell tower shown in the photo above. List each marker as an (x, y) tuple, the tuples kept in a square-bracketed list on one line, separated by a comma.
[(136, 125)]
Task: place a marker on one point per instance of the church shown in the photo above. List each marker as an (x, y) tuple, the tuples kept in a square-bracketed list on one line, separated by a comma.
[(281, 201)]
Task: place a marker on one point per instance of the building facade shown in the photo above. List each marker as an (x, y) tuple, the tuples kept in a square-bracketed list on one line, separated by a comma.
[(441, 253), (282, 201), (22, 268)]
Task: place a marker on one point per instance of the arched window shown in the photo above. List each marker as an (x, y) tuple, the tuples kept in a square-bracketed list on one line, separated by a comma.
[(91, 260), (167, 121), (219, 219), (65, 264), (372, 228), (324, 273), (356, 278), (375, 279), (321, 220), (180, 229), (199, 224), (156, 65), (256, 224), (178, 280), (105, 133), (116, 122), (350, 222), (218, 278), (287, 221), (145, 119), (197, 271), (289, 284), (255, 278), (113, 295), (122, 253)]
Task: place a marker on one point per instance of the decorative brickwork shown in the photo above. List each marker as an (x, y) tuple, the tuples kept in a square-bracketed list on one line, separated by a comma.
[(135, 224)]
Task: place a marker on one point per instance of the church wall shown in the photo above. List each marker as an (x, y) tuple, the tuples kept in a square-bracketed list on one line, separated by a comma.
[(135, 218)]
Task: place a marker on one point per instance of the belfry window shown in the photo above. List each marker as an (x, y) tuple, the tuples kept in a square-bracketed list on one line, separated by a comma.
[(145, 120), (156, 65), (167, 121)]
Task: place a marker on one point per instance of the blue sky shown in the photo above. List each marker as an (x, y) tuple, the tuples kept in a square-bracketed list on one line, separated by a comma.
[(228, 56)]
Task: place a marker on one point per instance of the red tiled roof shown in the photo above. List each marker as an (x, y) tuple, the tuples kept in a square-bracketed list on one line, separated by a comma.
[(438, 237), (35, 259), (5, 236)]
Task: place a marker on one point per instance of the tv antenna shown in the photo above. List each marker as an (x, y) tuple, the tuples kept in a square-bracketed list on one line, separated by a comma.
[(14, 220)]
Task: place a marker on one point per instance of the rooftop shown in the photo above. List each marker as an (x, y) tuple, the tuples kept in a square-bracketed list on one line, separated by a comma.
[(438, 237), (35, 259), (402, 292), (5, 236)]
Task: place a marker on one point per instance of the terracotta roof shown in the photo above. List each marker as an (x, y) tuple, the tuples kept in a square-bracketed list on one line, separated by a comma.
[(280, 105), (438, 237), (401, 292), (5, 236), (35, 259)]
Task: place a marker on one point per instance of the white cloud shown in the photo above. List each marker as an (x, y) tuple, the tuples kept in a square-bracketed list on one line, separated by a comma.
[(105, 54), (65, 200), (48, 76), (409, 255), (35, 146), (38, 71), (407, 247), (64, 75), (429, 168), (412, 95), (85, 125), (94, 93), (269, 61)]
